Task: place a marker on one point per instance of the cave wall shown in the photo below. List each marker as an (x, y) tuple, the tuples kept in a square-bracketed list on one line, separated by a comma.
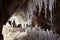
[(7, 9), (57, 16)]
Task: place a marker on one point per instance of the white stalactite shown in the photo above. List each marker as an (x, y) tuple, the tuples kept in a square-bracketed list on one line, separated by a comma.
[(40, 6), (45, 5), (51, 6)]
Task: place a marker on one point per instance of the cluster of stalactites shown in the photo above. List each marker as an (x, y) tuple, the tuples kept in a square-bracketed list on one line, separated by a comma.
[(47, 4)]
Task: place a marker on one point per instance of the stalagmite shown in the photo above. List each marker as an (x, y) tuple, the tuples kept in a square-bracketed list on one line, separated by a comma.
[(48, 32)]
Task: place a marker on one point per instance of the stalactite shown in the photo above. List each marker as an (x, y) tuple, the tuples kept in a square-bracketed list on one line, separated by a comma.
[(51, 6), (45, 5), (40, 6), (39, 3)]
